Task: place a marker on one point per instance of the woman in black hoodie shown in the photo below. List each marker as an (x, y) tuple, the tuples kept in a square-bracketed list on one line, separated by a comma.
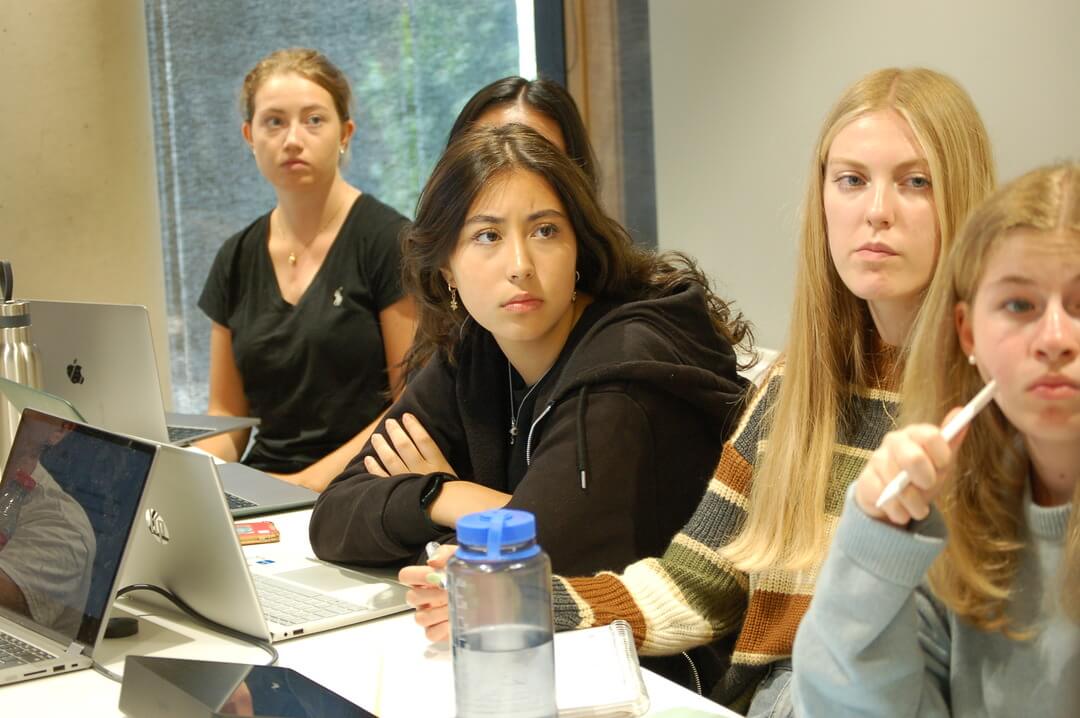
[(558, 368)]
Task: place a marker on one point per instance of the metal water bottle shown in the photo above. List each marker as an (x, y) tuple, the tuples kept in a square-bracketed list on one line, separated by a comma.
[(500, 618), (19, 358)]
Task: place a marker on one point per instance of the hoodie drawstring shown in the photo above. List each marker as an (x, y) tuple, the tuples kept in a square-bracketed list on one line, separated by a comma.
[(582, 449)]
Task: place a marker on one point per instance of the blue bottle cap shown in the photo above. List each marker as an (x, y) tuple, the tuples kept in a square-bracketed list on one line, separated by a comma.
[(492, 531)]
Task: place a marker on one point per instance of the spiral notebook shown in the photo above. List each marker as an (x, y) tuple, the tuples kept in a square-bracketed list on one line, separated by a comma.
[(606, 656)]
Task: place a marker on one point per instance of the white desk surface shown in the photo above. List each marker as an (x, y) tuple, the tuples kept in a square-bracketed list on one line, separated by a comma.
[(386, 665)]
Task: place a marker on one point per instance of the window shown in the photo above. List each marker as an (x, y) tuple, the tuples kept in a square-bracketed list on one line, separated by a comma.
[(412, 65)]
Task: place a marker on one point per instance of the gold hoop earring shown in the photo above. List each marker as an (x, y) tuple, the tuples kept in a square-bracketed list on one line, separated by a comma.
[(573, 294), (453, 298)]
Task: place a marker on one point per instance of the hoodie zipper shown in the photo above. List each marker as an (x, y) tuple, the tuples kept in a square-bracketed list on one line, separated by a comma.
[(693, 673), (528, 439)]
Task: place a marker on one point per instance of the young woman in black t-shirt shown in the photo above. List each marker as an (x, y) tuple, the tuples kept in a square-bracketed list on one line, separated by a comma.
[(309, 321)]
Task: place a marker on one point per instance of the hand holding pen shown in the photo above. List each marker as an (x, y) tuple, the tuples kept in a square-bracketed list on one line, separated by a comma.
[(906, 472), (427, 591)]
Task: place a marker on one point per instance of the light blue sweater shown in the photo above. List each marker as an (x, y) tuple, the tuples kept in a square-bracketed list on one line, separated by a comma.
[(875, 642)]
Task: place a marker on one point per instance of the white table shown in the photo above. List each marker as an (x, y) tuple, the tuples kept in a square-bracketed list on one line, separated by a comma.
[(387, 665)]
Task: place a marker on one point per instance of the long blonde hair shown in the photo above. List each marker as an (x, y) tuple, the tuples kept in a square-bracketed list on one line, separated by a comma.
[(831, 332), (983, 500)]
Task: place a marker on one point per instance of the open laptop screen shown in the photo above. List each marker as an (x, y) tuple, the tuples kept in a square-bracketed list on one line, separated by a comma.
[(68, 498)]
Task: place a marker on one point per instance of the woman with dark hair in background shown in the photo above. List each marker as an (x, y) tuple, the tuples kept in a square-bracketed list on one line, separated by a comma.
[(543, 105), (565, 371)]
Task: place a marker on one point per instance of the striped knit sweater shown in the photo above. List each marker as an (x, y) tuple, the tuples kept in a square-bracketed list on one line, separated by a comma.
[(692, 595)]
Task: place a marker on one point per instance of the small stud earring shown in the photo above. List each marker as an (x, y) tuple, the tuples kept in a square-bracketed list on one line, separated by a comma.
[(971, 359), (341, 150), (453, 298)]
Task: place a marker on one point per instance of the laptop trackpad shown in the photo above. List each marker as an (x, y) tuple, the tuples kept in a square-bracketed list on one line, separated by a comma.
[(346, 585)]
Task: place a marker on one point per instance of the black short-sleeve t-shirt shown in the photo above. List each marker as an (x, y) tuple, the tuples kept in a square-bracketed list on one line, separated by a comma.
[(314, 373)]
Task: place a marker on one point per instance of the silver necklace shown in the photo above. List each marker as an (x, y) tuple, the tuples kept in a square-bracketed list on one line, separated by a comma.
[(514, 413)]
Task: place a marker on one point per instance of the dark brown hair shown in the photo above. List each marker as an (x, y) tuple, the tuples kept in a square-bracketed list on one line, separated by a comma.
[(547, 97), (610, 264), (310, 64)]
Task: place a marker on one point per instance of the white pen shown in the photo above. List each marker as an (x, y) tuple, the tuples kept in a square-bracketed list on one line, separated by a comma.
[(954, 426), (435, 578)]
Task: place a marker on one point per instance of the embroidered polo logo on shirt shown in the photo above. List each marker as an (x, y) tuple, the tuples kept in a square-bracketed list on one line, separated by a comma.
[(338, 299)]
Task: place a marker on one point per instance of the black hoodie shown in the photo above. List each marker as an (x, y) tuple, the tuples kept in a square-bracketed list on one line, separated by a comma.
[(613, 452)]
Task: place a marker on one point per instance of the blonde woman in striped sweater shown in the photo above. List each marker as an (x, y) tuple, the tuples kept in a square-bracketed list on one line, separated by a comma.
[(901, 159)]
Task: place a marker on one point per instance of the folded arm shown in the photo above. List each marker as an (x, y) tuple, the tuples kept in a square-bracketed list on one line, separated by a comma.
[(373, 514)]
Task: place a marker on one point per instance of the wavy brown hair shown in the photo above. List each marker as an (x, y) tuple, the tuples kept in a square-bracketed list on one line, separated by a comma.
[(983, 500), (611, 265)]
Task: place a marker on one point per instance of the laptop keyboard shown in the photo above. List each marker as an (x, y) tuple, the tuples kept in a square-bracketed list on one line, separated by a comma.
[(288, 605), (14, 652), (236, 502), (183, 433)]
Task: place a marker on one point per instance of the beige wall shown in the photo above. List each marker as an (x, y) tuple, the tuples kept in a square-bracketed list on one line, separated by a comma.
[(78, 196), (740, 89)]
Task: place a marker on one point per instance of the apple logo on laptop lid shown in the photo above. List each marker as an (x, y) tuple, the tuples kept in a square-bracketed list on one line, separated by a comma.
[(74, 372)]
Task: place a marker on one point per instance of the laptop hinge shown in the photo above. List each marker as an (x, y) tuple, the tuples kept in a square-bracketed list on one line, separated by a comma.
[(75, 649)]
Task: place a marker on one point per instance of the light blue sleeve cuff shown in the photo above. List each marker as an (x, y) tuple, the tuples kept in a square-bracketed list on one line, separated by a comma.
[(898, 555)]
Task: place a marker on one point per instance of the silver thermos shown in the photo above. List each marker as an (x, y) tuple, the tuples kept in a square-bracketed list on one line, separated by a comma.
[(19, 358)]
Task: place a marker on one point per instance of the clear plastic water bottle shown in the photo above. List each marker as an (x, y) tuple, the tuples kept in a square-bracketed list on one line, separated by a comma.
[(500, 618)]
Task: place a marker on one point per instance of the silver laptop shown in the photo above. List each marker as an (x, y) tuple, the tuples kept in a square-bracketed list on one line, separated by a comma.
[(187, 543), (247, 490), (100, 357), (69, 498)]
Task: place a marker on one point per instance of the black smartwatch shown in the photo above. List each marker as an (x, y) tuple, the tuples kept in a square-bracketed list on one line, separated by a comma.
[(434, 488)]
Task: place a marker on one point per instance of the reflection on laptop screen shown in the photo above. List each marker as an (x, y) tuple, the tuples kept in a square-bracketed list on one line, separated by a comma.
[(68, 499)]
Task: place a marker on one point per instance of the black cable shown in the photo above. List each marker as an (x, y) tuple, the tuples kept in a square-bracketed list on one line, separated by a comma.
[(197, 617)]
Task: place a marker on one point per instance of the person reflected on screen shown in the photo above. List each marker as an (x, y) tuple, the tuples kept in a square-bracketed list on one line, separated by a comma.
[(47, 545)]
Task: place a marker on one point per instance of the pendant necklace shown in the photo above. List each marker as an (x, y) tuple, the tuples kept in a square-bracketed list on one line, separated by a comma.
[(293, 256), (514, 413)]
